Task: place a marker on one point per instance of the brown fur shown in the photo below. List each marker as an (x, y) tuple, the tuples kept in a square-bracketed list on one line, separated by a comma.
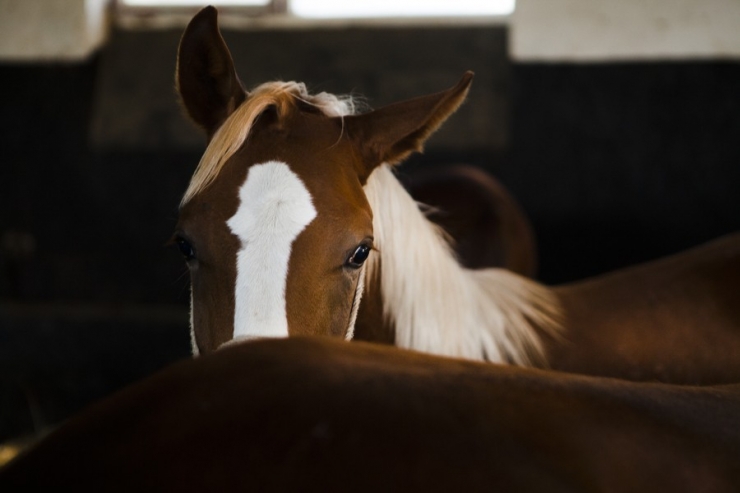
[(280, 122), (390, 134), (315, 414), (312, 281), (486, 225), (675, 320), (207, 82)]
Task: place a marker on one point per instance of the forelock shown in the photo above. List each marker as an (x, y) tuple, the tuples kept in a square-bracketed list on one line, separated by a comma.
[(235, 130)]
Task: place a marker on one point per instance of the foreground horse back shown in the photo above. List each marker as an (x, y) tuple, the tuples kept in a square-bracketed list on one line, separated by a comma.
[(318, 414)]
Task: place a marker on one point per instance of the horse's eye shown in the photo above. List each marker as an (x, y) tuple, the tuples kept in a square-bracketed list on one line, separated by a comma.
[(185, 248), (358, 257)]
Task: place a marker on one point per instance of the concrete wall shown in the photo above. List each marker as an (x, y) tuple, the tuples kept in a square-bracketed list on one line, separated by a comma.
[(630, 30), (52, 30)]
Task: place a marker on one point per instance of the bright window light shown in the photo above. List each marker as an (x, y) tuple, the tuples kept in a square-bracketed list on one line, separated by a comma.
[(323, 9), (191, 3), (354, 9)]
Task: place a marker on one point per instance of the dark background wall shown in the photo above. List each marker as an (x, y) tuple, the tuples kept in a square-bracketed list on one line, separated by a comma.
[(622, 163), (614, 164)]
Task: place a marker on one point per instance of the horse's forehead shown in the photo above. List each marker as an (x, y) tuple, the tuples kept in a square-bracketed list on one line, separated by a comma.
[(323, 160), (275, 207), (311, 146)]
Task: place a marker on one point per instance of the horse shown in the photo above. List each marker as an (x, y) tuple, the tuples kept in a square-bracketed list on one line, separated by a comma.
[(320, 414), (294, 223), (484, 223)]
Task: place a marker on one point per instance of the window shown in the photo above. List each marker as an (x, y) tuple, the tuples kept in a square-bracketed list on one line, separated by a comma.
[(297, 11), (193, 3), (324, 9)]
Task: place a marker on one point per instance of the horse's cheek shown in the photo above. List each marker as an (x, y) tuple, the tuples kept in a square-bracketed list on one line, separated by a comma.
[(339, 304)]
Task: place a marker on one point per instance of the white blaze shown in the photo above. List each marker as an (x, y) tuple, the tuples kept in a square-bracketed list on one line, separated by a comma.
[(274, 208)]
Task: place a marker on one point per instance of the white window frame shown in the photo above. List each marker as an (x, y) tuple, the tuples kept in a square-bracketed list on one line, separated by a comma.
[(277, 14)]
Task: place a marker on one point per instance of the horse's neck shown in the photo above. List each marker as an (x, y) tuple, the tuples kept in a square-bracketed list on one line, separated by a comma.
[(436, 305)]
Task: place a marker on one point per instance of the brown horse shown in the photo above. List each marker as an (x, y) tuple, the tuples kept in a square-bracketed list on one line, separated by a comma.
[(316, 414), (294, 216), (485, 224)]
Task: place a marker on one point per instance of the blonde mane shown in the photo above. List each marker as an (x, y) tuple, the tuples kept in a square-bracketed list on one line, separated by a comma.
[(439, 307), (234, 131), (436, 305)]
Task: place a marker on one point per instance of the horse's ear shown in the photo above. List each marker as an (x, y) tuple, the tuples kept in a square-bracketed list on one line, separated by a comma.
[(390, 134), (206, 79)]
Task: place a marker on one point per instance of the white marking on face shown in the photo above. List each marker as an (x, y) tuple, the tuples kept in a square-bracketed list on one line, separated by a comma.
[(275, 206)]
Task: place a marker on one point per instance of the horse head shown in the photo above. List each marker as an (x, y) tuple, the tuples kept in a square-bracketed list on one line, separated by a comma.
[(275, 225)]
